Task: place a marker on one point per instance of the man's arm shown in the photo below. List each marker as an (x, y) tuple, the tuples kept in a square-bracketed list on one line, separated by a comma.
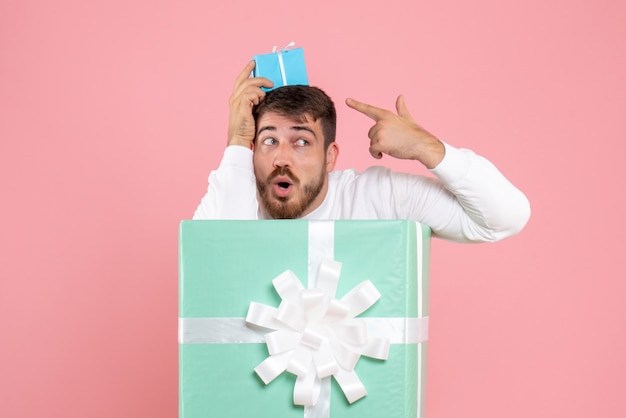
[(473, 202), (232, 188)]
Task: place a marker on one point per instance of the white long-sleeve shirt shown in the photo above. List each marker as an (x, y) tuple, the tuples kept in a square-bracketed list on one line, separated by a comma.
[(468, 201)]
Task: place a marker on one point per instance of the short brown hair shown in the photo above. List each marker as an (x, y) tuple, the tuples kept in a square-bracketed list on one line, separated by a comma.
[(299, 101)]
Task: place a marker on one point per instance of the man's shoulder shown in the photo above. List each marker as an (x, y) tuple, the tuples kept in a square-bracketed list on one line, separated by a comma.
[(351, 174)]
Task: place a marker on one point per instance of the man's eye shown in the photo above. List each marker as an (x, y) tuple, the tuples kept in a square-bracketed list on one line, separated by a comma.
[(302, 142), (269, 141)]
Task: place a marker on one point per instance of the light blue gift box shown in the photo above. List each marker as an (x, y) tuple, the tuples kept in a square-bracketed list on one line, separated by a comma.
[(285, 67), (225, 265)]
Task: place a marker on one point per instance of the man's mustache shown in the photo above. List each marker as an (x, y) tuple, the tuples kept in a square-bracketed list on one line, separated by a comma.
[(283, 171)]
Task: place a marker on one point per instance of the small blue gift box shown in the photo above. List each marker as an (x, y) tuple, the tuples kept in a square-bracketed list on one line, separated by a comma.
[(284, 67)]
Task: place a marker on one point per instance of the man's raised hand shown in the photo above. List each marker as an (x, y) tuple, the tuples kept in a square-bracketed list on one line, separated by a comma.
[(246, 94), (398, 135)]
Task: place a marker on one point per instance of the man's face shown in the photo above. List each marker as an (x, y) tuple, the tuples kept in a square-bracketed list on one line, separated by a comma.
[(290, 165)]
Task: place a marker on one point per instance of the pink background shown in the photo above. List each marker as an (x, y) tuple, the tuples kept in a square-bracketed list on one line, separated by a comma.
[(112, 114)]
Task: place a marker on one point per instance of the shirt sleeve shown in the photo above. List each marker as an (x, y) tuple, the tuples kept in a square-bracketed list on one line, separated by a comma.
[(481, 204), (231, 192)]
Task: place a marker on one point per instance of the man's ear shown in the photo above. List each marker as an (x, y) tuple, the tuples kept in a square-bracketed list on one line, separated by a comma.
[(331, 156)]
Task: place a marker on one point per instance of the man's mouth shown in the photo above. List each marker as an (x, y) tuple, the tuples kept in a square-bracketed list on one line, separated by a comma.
[(282, 188), (282, 182)]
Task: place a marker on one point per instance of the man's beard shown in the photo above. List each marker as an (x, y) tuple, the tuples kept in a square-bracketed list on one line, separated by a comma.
[(290, 207)]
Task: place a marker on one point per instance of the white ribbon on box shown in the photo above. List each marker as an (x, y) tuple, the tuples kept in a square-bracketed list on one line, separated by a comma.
[(281, 63), (289, 349)]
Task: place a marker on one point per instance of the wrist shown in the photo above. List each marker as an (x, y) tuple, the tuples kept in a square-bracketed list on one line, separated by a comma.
[(432, 153), (241, 142)]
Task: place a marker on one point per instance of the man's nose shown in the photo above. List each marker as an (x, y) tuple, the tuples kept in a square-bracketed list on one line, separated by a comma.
[(282, 157)]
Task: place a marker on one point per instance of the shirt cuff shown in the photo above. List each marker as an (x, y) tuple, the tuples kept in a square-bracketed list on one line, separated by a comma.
[(455, 165), (237, 156)]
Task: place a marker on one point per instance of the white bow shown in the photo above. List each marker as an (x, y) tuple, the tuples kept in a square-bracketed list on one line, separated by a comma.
[(316, 335)]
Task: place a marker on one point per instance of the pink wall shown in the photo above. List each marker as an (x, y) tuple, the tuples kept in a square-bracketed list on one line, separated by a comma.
[(112, 115)]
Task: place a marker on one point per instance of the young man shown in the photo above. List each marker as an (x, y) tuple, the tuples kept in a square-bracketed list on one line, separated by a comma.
[(280, 162)]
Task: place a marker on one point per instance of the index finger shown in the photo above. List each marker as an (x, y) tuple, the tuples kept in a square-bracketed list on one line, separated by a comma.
[(245, 75), (368, 110)]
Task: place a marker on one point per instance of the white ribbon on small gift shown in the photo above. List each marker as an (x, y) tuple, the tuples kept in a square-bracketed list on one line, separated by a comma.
[(281, 64), (316, 335)]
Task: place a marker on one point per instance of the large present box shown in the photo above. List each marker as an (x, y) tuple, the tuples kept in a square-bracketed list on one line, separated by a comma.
[(229, 271), (284, 67)]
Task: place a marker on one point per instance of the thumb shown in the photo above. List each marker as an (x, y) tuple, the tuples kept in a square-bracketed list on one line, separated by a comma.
[(403, 111)]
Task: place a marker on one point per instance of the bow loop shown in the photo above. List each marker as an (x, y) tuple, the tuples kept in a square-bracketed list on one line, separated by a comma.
[(286, 47), (361, 298)]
